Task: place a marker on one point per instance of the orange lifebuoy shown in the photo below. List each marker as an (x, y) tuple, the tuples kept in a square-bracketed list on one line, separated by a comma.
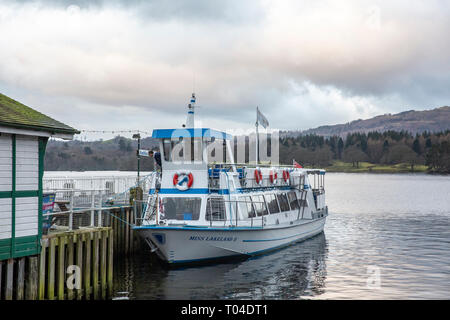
[(286, 175), (258, 176), (273, 177)]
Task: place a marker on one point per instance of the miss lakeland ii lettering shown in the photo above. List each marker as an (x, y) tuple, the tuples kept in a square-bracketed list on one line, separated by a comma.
[(211, 238)]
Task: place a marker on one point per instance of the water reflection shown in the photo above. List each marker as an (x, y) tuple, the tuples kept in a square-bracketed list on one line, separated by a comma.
[(397, 223), (291, 273)]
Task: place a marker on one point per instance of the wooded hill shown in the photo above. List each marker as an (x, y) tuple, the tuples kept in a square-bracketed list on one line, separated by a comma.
[(115, 154), (413, 137), (435, 120), (388, 148)]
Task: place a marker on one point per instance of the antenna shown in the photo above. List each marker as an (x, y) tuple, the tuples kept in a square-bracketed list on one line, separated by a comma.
[(191, 109)]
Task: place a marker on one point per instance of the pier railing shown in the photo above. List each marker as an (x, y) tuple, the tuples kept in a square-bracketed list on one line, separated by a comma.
[(115, 188), (111, 184), (75, 206)]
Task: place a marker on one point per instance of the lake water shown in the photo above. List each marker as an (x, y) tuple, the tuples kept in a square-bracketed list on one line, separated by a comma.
[(386, 237)]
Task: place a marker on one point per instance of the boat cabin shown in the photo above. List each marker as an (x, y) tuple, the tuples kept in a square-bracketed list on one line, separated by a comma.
[(201, 184)]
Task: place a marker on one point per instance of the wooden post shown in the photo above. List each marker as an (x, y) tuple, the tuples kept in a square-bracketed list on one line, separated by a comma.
[(51, 269), (32, 278), (20, 279), (87, 268), (42, 260), (70, 256), (9, 279), (95, 257), (114, 227), (122, 231), (61, 270), (133, 234), (124, 218), (110, 261), (103, 262), (79, 260), (1, 276), (118, 231), (127, 230)]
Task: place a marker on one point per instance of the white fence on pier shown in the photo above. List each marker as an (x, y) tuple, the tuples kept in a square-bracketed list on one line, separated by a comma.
[(81, 200)]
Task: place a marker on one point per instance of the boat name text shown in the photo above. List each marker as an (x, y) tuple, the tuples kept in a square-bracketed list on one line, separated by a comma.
[(212, 238)]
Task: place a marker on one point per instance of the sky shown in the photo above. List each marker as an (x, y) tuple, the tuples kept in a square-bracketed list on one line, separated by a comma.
[(133, 64)]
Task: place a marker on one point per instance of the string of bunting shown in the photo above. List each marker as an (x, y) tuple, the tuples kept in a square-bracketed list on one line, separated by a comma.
[(115, 131), (107, 132)]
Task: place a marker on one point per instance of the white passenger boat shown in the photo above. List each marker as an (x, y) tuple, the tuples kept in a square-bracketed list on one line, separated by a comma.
[(197, 210)]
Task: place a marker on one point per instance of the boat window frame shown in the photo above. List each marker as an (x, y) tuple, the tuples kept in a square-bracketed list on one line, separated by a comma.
[(194, 215), (195, 153), (269, 205), (167, 149), (294, 200), (260, 202), (280, 195), (209, 200), (246, 201)]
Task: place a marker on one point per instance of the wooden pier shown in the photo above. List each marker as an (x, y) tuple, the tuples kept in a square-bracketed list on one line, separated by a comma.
[(75, 264)]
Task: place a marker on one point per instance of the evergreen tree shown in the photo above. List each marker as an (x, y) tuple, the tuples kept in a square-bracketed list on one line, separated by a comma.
[(416, 146), (340, 147)]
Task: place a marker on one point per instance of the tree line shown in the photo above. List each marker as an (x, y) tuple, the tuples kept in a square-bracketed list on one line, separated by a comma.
[(389, 147)]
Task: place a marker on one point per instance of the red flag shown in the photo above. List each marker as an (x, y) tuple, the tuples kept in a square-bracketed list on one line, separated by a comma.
[(296, 165)]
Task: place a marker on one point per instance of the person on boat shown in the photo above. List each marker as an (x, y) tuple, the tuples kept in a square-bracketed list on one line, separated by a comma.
[(157, 157)]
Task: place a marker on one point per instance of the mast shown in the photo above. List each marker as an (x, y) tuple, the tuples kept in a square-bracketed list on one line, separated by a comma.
[(257, 138), (191, 109)]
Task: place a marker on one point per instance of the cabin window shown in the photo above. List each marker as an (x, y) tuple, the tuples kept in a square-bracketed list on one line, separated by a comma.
[(167, 147), (272, 203), (293, 200), (183, 149), (179, 208), (283, 201), (215, 209), (260, 205), (247, 206)]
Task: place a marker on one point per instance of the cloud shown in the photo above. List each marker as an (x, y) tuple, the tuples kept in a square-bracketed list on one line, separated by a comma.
[(304, 63)]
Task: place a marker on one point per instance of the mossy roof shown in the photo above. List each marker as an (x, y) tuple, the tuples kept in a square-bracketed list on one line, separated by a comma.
[(18, 115)]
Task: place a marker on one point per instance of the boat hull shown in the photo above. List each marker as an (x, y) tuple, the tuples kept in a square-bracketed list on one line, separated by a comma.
[(179, 245)]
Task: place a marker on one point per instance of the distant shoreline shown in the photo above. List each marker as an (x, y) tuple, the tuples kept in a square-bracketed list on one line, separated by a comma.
[(367, 167)]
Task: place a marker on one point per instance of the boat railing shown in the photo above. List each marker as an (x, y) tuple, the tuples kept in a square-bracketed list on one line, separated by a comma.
[(217, 212), (249, 181)]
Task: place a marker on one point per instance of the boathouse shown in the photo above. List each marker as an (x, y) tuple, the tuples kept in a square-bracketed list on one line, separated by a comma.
[(24, 133)]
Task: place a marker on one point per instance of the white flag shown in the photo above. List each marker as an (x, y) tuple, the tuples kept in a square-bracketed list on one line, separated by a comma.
[(261, 119)]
